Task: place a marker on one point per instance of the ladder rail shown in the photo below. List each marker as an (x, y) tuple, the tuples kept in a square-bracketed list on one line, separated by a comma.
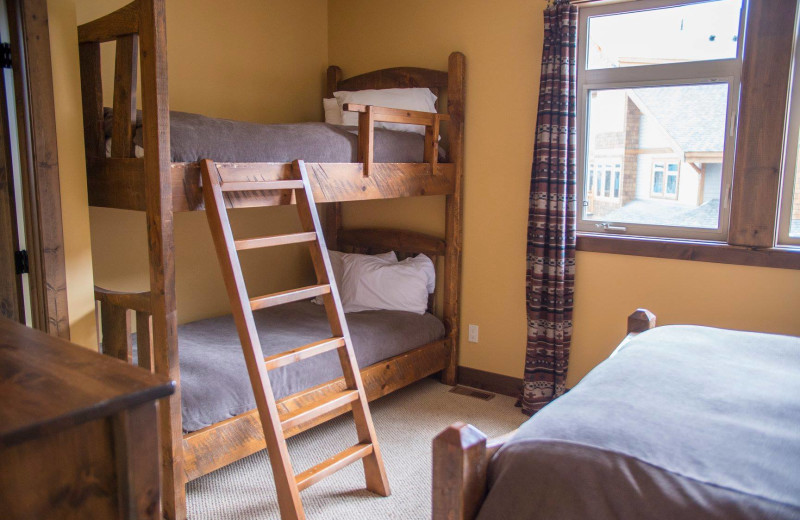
[(286, 486), (374, 469)]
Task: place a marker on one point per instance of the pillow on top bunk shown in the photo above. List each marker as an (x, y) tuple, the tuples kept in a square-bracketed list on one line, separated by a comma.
[(368, 284), (333, 113), (420, 99)]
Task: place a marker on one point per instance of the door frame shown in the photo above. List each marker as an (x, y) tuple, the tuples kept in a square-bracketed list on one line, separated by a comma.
[(36, 124)]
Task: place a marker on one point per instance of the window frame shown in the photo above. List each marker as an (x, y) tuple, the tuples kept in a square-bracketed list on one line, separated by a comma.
[(727, 71), (791, 143), (766, 56)]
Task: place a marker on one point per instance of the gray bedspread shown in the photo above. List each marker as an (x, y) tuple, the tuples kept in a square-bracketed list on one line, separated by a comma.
[(194, 137), (684, 422), (214, 382)]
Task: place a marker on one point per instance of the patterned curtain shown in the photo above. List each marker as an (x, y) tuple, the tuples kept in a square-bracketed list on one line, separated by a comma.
[(551, 219)]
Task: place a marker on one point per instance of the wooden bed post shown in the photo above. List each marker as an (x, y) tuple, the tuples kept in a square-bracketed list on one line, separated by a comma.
[(641, 320), (453, 213), (459, 472), (333, 211), (157, 163)]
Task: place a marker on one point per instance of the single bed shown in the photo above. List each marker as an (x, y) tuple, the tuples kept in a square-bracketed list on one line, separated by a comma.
[(681, 422)]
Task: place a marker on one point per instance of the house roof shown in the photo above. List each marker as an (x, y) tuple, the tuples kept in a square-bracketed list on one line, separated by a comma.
[(693, 115)]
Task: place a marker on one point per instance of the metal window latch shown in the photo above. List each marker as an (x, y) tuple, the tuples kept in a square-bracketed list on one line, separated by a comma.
[(21, 262), (5, 55), (605, 226)]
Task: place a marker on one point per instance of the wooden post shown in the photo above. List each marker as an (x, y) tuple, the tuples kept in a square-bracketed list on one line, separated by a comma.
[(333, 79), (641, 320), (155, 129), (459, 472), (366, 138), (453, 213)]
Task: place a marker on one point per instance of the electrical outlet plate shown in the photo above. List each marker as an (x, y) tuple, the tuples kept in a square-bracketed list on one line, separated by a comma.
[(473, 333)]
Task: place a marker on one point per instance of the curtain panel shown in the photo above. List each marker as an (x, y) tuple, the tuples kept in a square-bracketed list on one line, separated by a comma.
[(550, 275)]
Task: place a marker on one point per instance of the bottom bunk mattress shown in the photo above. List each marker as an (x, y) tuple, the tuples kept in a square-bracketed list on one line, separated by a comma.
[(683, 422), (214, 383)]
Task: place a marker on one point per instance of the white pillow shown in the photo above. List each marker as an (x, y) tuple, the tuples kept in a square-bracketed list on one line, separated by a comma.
[(333, 112), (420, 99), (374, 284), (337, 265)]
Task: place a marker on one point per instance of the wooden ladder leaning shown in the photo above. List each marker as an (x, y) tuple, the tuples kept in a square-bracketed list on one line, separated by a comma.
[(287, 484)]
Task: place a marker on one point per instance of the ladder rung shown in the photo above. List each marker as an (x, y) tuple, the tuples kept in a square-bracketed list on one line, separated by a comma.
[(332, 465), (304, 352), (318, 408), (277, 240), (262, 185), (293, 295)]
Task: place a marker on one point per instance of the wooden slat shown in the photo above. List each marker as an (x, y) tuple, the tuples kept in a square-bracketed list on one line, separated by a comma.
[(118, 183), (277, 240), (124, 96), (341, 460), (92, 100), (144, 345), (225, 442), (116, 326), (401, 240), (304, 352), (319, 408), (124, 20), (759, 140), (139, 302), (292, 295), (395, 115), (366, 138), (262, 185)]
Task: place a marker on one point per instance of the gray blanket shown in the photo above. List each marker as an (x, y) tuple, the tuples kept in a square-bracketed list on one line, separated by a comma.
[(194, 137), (214, 382), (684, 422)]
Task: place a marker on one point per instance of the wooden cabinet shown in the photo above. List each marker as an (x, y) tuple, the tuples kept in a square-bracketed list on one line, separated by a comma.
[(78, 431)]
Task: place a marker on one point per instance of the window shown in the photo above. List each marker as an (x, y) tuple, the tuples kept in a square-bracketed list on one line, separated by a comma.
[(660, 87), (657, 86), (664, 180), (789, 226)]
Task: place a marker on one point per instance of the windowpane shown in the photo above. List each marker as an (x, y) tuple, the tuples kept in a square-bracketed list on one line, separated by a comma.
[(671, 142), (697, 32), (794, 226)]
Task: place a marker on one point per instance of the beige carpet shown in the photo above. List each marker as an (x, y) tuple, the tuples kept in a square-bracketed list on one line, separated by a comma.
[(406, 422)]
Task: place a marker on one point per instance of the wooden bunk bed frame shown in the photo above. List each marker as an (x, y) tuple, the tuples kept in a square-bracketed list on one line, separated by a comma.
[(160, 188), (461, 453)]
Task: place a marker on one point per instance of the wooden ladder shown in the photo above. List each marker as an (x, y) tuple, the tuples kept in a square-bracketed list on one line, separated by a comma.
[(288, 484)]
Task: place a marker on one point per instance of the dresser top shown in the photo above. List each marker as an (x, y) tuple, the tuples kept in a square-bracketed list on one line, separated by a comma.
[(48, 384)]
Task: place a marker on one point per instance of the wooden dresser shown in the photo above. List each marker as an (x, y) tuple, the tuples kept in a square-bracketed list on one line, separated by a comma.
[(78, 431)]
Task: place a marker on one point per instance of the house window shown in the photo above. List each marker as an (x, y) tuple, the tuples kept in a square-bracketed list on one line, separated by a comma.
[(604, 178), (657, 79), (665, 180)]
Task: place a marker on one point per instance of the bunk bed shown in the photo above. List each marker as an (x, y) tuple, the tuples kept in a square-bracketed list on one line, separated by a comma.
[(682, 421), (160, 186)]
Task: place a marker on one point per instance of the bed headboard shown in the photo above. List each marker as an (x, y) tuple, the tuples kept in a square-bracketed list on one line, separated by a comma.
[(370, 241), (397, 77)]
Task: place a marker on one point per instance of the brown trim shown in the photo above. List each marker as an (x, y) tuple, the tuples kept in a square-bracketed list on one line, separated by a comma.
[(701, 251), (766, 69), (489, 381), (33, 81)]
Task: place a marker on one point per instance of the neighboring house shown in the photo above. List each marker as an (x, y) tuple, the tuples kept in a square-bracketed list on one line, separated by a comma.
[(655, 154)]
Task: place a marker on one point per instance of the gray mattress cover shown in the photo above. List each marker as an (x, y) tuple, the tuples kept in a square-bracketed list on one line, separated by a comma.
[(194, 137), (684, 422), (214, 382)]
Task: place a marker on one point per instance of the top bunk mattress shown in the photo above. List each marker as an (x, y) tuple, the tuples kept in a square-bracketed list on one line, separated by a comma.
[(683, 422), (195, 137), (214, 382)]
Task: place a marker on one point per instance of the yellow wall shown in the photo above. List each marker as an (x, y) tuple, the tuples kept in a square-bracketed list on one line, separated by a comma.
[(250, 60), (72, 172), (502, 42)]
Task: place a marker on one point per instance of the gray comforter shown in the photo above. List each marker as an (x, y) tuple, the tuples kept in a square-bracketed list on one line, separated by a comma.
[(684, 422), (214, 382), (194, 137)]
